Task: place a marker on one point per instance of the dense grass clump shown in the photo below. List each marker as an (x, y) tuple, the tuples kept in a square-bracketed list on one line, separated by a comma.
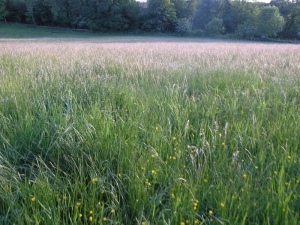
[(171, 131)]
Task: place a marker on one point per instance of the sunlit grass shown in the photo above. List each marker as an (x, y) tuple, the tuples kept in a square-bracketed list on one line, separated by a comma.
[(149, 131)]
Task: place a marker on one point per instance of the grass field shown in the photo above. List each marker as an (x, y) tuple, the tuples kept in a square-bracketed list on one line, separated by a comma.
[(136, 130), (14, 30)]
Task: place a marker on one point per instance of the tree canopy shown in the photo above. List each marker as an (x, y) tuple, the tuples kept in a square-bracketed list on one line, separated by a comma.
[(270, 22), (279, 18)]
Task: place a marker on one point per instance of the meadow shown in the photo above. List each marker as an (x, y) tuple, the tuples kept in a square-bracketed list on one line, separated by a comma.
[(139, 130)]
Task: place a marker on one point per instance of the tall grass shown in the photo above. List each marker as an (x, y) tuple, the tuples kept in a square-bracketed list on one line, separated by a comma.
[(132, 131)]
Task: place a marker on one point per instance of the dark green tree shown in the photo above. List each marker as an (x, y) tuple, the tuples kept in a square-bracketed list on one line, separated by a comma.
[(244, 12), (160, 16), (206, 11), (3, 10), (292, 26), (226, 15), (184, 9), (270, 22), (13, 11), (132, 12), (78, 13), (111, 15), (40, 12), (290, 10), (214, 27)]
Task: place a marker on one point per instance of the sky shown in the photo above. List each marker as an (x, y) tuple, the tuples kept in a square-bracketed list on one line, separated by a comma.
[(267, 1)]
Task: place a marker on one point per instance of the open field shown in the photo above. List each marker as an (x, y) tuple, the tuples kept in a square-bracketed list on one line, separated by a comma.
[(15, 30), (136, 130)]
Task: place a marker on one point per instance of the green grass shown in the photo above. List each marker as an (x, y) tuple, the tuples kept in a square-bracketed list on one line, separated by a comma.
[(165, 132), (9, 30)]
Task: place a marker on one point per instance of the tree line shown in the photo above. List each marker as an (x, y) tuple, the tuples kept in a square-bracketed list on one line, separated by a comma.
[(279, 18)]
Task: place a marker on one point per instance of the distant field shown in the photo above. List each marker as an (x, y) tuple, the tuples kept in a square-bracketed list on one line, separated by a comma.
[(140, 130), (14, 30)]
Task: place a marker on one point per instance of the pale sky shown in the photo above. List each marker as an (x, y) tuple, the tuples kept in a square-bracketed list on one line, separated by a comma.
[(267, 1)]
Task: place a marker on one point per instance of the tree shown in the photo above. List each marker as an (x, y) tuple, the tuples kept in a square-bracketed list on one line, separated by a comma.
[(184, 9), (248, 29), (42, 12), (104, 15), (291, 14), (206, 11), (3, 10), (244, 13), (77, 13), (215, 27), (13, 10), (183, 26), (226, 15), (132, 11), (161, 16), (270, 22)]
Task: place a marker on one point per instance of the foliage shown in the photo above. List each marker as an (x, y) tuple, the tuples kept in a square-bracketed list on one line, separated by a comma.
[(183, 26), (244, 17), (226, 15), (206, 11), (161, 16), (244, 13), (105, 15), (270, 22), (292, 20), (3, 10), (247, 30), (215, 27), (184, 9), (13, 10)]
